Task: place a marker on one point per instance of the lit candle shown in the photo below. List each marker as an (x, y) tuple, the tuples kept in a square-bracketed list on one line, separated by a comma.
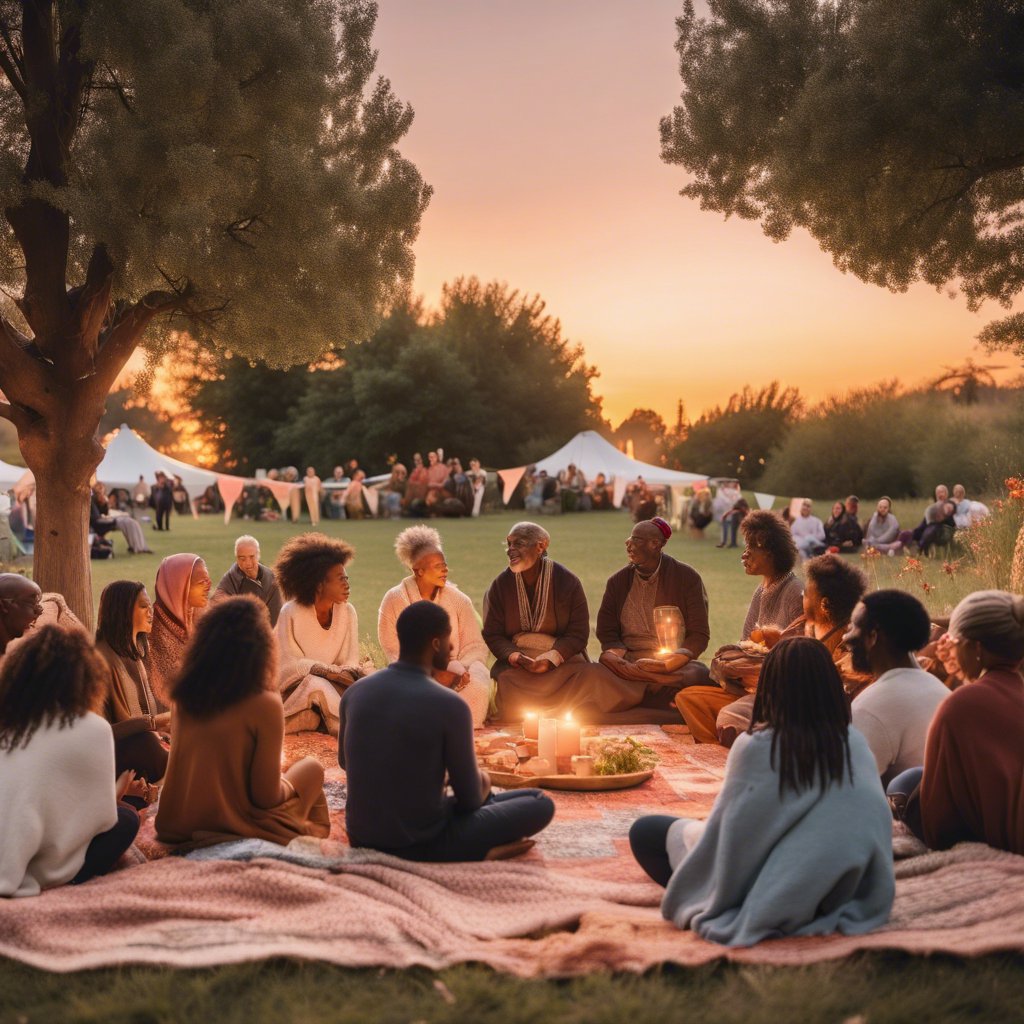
[(530, 725), (583, 765), (547, 740), (568, 737)]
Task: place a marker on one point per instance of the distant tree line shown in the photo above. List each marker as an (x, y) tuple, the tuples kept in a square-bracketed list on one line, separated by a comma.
[(489, 375)]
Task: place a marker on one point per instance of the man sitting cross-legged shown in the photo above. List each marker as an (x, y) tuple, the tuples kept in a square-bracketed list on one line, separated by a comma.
[(625, 623), (401, 735)]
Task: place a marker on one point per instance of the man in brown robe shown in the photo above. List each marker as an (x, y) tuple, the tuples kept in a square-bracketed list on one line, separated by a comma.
[(536, 624), (625, 624)]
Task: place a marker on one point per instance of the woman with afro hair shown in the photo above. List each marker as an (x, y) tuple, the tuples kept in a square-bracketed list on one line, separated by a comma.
[(317, 631), (419, 550)]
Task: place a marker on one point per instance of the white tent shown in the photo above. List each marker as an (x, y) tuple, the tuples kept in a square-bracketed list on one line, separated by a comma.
[(128, 457), (589, 452), (10, 475)]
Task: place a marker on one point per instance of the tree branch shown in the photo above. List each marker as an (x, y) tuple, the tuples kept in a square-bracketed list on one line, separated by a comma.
[(8, 64), (123, 336), (14, 58), (91, 303), (25, 379)]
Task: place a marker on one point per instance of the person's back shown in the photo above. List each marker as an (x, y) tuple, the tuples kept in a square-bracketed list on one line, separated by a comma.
[(207, 785), (894, 714), (401, 732), (973, 785), (56, 794)]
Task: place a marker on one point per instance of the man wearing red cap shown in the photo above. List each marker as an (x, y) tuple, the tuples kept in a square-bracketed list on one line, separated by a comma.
[(625, 623)]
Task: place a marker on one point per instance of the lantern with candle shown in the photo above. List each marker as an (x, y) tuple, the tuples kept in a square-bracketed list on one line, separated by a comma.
[(668, 624)]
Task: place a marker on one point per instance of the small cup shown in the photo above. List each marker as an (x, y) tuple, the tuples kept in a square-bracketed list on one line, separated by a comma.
[(582, 765)]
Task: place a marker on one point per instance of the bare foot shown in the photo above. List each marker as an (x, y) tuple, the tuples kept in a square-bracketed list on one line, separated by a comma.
[(509, 850)]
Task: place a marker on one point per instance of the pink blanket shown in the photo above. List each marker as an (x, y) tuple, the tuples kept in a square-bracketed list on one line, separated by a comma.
[(575, 904)]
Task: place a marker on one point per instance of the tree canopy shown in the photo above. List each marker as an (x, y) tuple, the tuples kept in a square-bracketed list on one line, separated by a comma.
[(738, 439), (892, 132), (488, 375), (228, 168)]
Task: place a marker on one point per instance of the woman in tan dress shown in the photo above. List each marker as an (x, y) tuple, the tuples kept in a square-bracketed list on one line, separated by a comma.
[(224, 775)]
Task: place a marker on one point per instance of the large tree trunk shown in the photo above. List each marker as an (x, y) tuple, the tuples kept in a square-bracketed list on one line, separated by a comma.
[(62, 452)]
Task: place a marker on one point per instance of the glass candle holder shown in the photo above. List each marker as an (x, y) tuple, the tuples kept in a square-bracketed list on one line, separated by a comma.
[(668, 624)]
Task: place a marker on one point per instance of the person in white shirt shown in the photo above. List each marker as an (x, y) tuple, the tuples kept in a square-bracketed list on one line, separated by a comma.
[(895, 711), (419, 550), (808, 532), (59, 799), (317, 631)]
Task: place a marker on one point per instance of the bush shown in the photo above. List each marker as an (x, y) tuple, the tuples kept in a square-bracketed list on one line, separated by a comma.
[(881, 441)]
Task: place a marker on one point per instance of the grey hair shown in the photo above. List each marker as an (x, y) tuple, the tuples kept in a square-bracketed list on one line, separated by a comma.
[(246, 539), (995, 619), (415, 542), (532, 532)]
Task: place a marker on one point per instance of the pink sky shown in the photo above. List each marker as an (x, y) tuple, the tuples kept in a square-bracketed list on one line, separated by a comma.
[(537, 125)]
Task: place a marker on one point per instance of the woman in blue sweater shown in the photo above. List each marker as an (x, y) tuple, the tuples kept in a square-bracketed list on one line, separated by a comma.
[(799, 841)]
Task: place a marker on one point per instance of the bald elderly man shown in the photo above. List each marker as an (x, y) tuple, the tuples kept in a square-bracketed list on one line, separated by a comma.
[(625, 623), (21, 603), (248, 576)]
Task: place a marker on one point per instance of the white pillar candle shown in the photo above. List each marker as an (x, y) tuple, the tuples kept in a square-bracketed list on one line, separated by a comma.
[(530, 725), (547, 740), (568, 737)]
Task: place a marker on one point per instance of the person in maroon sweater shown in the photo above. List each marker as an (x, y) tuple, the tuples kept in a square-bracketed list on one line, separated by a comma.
[(972, 786)]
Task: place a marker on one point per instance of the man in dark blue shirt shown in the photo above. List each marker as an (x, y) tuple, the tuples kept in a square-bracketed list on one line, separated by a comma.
[(401, 735)]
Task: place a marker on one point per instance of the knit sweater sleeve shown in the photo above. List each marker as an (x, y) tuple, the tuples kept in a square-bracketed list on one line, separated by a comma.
[(471, 642), (293, 664), (349, 654), (753, 614), (387, 623)]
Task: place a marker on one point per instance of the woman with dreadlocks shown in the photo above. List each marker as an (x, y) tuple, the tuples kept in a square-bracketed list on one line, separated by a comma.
[(799, 841)]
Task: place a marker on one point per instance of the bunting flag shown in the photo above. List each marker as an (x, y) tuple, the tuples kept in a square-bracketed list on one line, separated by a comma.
[(764, 501), (372, 496), (619, 485), (281, 490), (230, 488), (510, 481)]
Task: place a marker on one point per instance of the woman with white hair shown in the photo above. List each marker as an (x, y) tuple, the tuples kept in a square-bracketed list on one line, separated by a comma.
[(419, 550), (972, 786)]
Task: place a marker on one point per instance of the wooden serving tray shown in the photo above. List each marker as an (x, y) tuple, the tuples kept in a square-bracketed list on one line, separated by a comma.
[(577, 783)]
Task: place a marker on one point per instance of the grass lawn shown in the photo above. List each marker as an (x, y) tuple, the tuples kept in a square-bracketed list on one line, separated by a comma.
[(866, 988)]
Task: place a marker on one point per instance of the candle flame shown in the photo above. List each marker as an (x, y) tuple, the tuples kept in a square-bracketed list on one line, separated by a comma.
[(568, 716), (664, 650)]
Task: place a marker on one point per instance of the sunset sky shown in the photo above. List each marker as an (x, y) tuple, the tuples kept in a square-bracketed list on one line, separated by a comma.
[(537, 125)]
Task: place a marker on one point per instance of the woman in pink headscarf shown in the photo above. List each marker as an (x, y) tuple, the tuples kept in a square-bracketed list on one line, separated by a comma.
[(182, 588)]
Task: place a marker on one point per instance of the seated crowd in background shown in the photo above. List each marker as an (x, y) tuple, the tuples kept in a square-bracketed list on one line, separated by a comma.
[(823, 701)]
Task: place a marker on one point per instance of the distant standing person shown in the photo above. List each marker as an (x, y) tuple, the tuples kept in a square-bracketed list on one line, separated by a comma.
[(162, 499), (249, 576), (408, 813), (311, 486)]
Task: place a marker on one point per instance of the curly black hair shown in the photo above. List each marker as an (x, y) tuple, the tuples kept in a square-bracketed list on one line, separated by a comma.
[(841, 583), (230, 657), (54, 676), (303, 563), (766, 530)]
